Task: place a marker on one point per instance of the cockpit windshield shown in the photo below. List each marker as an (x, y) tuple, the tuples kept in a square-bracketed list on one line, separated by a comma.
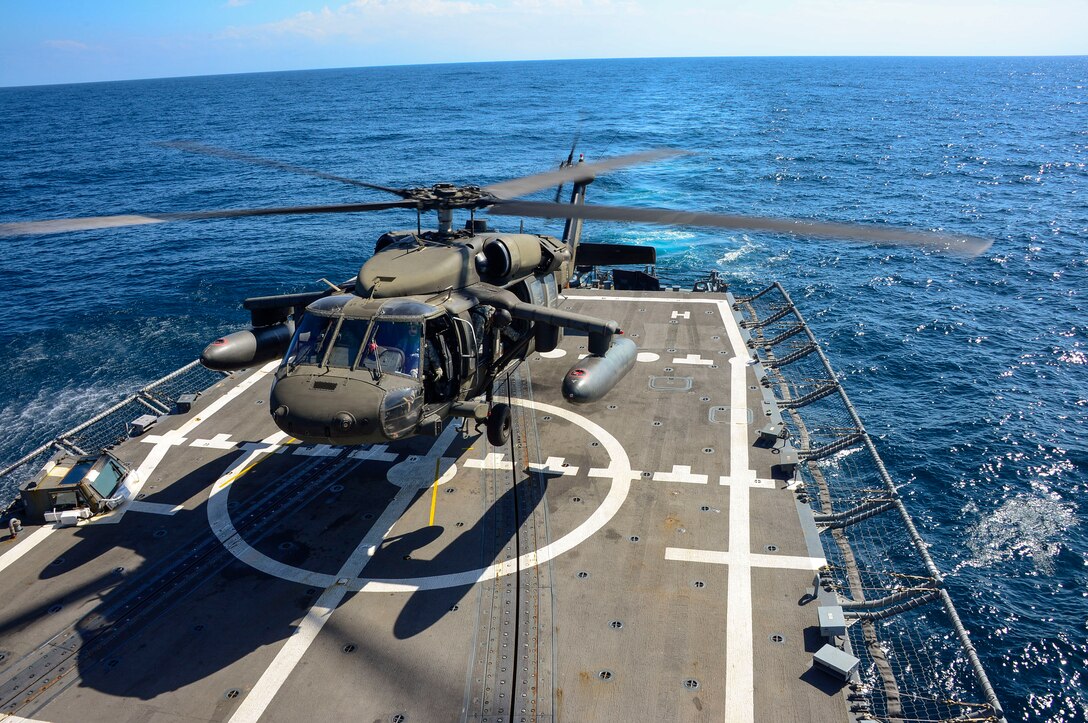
[(311, 340), (394, 347), (346, 347)]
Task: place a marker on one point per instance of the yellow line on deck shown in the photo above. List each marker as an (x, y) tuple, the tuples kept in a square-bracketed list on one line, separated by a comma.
[(434, 490)]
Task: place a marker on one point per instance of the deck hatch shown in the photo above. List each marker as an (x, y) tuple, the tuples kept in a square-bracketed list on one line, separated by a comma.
[(671, 384)]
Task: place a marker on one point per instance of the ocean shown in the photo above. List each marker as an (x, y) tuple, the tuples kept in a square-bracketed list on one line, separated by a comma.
[(971, 375)]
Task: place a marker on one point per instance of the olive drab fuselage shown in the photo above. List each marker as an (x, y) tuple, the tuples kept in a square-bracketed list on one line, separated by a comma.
[(392, 358)]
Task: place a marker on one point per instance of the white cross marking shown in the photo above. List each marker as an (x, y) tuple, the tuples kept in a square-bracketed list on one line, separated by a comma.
[(172, 438), (766, 484), (693, 359), (780, 562), (266, 447), (680, 473), (610, 473), (219, 441), (377, 453), (553, 465), (493, 460), (317, 450)]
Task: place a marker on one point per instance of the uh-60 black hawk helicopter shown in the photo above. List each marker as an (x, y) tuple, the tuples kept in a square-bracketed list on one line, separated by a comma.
[(434, 318)]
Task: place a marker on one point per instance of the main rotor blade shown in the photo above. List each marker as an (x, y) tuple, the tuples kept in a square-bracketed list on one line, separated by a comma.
[(192, 147), (577, 172), (891, 236), (66, 225)]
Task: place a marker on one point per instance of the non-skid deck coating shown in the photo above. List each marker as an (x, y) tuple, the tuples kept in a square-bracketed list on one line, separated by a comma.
[(631, 559)]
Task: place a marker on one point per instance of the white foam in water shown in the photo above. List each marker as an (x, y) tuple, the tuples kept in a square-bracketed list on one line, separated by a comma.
[(1026, 527)]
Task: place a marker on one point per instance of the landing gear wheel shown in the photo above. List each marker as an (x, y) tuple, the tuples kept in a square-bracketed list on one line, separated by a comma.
[(498, 425)]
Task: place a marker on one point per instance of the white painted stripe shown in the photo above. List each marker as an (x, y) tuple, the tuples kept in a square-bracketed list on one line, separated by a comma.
[(693, 359), (316, 450), (493, 460), (376, 453), (310, 626), (219, 441), (25, 545), (8, 718), (650, 299), (155, 508), (680, 473), (715, 557), (739, 655), (158, 452), (553, 465), (764, 484)]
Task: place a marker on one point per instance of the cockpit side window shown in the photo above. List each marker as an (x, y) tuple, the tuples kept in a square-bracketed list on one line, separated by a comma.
[(311, 340), (394, 347)]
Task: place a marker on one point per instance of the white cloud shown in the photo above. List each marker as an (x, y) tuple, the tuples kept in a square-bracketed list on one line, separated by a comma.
[(69, 45), (359, 18)]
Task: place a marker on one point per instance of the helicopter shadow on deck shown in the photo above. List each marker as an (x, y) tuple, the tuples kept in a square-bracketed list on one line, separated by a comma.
[(217, 617), (477, 548)]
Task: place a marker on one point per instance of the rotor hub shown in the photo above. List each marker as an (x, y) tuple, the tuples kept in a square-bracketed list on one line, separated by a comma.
[(449, 196)]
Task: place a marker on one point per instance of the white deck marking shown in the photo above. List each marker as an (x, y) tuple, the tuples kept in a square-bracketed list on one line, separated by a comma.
[(310, 626), (493, 460), (155, 456), (25, 544), (765, 484), (553, 465), (619, 469), (377, 453), (680, 473), (171, 438), (647, 356), (739, 676), (739, 650), (780, 562), (219, 441), (681, 314), (155, 508), (612, 470), (316, 450), (554, 354), (693, 359), (9, 718), (265, 446)]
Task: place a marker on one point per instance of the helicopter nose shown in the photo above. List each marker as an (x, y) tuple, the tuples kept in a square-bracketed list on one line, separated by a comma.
[(320, 410)]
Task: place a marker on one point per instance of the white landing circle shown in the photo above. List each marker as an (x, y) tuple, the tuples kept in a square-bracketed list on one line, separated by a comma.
[(554, 354), (414, 474), (647, 356)]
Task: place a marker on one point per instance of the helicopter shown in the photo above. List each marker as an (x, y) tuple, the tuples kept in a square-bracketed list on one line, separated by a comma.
[(435, 318)]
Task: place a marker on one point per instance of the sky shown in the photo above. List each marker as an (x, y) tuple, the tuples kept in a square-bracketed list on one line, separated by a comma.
[(72, 41)]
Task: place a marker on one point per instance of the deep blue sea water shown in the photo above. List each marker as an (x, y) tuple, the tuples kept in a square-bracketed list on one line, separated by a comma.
[(973, 375)]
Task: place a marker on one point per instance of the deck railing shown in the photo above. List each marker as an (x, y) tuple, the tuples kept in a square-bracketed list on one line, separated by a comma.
[(917, 659)]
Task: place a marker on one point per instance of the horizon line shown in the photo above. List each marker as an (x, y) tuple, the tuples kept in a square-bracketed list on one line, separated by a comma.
[(550, 60)]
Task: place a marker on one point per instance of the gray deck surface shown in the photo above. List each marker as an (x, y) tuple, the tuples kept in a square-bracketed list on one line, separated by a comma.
[(623, 560)]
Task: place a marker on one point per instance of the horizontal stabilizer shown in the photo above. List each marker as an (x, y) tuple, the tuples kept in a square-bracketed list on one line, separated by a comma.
[(614, 254)]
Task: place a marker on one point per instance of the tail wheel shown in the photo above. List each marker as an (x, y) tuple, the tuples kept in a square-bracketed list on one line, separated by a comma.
[(498, 425)]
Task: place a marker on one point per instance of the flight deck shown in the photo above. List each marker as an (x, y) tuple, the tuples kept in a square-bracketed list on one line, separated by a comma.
[(654, 555)]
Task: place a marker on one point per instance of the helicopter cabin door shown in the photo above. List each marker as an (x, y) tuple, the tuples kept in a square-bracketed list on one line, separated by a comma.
[(464, 349)]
